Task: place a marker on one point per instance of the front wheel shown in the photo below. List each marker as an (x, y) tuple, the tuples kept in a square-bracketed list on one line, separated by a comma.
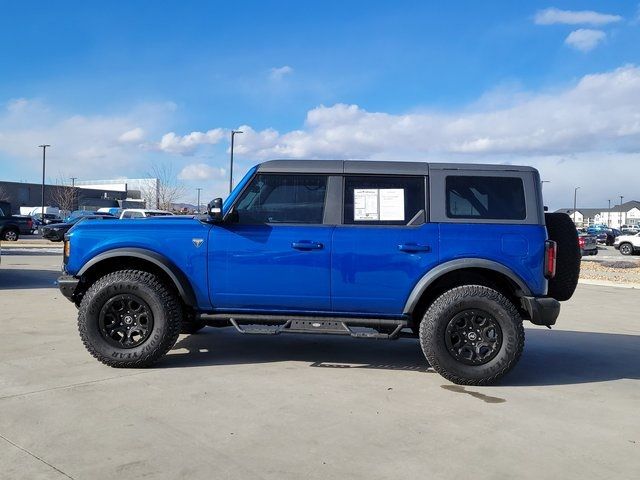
[(626, 249), (472, 335), (129, 318)]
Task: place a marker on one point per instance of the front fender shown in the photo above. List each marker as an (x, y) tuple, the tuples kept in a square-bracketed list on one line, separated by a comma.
[(176, 275)]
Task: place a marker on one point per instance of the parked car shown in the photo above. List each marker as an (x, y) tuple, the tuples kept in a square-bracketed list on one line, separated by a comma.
[(78, 213), (48, 219), (608, 236), (12, 226), (336, 247), (629, 230), (588, 244), (627, 244), (115, 211), (26, 227), (55, 231), (143, 213)]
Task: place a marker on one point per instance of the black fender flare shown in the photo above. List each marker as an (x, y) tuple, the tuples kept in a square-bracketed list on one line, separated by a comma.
[(459, 264), (176, 275)]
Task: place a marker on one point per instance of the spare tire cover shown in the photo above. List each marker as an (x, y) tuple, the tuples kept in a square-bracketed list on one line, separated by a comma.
[(562, 230)]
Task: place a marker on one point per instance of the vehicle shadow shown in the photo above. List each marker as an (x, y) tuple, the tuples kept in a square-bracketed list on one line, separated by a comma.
[(15, 279), (551, 357), (225, 346), (562, 357)]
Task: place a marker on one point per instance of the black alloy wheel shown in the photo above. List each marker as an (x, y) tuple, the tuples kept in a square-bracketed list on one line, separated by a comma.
[(473, 337), (125, 321)]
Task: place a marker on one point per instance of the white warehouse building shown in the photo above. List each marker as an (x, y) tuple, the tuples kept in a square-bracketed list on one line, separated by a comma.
[(140, 192)]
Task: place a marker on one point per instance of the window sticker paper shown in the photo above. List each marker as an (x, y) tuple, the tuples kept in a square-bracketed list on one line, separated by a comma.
[(366, 204), (392, 204)]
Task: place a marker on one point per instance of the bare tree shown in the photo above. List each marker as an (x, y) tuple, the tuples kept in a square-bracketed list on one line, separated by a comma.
[(65, 197), (167, 190)]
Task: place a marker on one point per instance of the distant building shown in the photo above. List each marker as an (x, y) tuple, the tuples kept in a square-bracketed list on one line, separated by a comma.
[(19, 194), (139, 192), (626, 214)]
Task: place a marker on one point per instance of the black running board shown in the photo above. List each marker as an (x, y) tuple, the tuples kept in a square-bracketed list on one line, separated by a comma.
[(250, 324)]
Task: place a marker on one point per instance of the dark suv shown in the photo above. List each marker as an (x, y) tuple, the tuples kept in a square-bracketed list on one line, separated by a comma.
[(456, 255)]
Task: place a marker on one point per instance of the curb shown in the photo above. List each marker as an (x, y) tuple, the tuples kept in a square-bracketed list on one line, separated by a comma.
[(606, 283), (12, 245)]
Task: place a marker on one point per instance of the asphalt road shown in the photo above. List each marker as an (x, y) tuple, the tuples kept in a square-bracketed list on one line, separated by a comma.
[(227, 406)]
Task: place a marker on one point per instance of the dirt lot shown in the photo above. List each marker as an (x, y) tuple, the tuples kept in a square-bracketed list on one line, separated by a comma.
[(227, 406)]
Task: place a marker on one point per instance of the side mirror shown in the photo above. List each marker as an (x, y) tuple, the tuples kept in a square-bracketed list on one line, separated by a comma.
[(214, 209)]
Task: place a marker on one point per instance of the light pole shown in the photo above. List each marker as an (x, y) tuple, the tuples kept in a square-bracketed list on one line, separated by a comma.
[(74, 197), (233, 134), (609, 214), (575, 197), (620, 215), (198, 189), (44, 158)]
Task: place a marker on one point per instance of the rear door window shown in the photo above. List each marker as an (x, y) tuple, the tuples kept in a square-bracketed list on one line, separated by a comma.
[(378, 200), (491, 198)]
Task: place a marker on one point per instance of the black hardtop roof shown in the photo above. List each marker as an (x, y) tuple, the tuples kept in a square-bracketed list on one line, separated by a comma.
[(377, 167)]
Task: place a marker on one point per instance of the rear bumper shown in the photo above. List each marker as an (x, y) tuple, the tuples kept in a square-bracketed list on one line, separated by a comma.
[(67, 285), (542, 310)]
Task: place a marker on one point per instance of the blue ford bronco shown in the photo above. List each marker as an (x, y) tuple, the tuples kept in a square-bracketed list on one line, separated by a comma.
[(454, 255)]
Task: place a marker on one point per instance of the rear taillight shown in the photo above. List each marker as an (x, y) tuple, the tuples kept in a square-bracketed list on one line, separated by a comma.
[(29, 223), (581, 241), (550, 254)]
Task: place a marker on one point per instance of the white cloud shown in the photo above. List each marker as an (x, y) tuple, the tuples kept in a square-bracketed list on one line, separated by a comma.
[(82, 145), (572, 133), (278, 73), (552, 16), (599, 112), (187, 144), (585, 134), (201, 171), (585, 39), (132, 136)]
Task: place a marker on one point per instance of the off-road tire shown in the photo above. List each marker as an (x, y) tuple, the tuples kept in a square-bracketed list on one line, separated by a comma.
[(11, 235), (626, 248), (562, 230), (459, 299), (163, 303)]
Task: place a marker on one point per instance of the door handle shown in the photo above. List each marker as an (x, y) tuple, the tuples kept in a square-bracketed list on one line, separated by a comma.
[(413, 247), (307, 245)]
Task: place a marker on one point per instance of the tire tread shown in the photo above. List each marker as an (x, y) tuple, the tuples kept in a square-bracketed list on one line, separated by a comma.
[(171, 306), (443, 302)]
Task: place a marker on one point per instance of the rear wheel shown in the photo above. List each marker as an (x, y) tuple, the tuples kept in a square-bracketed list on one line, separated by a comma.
[(11, 235), (129, 318), (472, 335), (626, 249)]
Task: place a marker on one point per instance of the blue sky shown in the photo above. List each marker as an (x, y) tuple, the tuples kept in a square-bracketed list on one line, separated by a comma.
[(116, 87)]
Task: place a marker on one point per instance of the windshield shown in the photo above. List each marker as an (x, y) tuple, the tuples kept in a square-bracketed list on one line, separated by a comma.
[(238, 188), (158, 214)]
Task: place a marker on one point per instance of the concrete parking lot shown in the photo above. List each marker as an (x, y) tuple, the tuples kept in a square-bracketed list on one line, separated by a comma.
[(226, 406)]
